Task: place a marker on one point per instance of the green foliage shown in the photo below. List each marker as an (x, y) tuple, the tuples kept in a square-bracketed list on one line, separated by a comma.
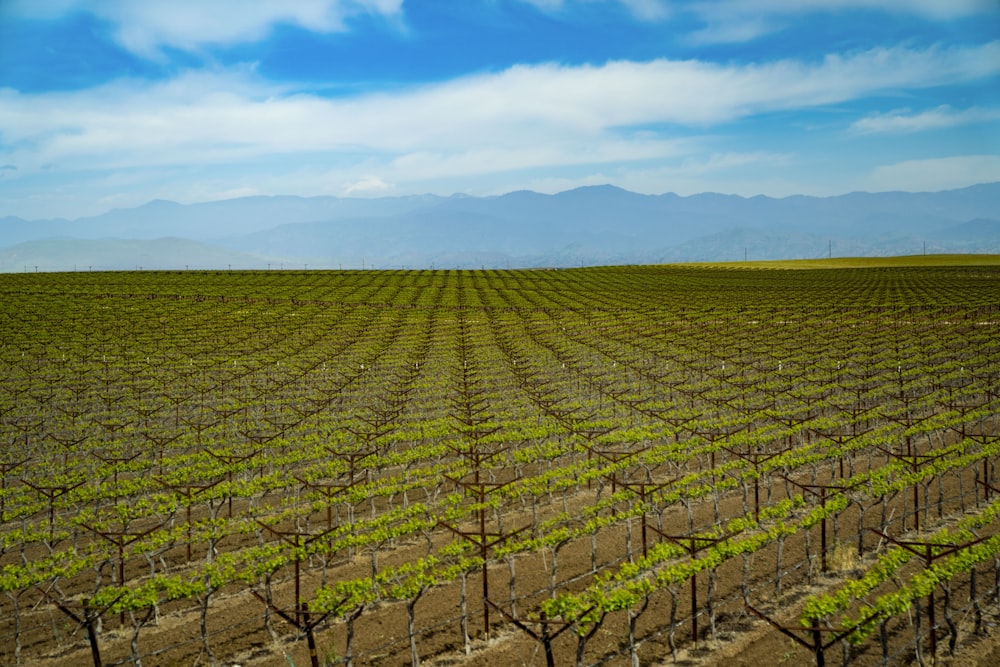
[(261, 421)]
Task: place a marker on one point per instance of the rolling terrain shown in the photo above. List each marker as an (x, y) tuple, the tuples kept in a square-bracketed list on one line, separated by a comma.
[(589, 226)]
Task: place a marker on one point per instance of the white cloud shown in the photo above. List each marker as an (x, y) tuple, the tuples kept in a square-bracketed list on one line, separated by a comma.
[(729, 21), (650, 10), (903, 121), (498, 159), (368, 186), (941, 9), (717, 162), (734, 29), (535, 114), (741, 20), (624, 118), (145, 27), (937, 173), (546, 5), (646, 10), (538, 114)]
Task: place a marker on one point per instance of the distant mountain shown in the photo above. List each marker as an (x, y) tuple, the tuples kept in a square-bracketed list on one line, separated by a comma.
[(206, 221), (979, 230), (591, 225), (120, 254)]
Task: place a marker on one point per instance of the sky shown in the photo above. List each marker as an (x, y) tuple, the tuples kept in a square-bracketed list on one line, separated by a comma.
[(113, 103)]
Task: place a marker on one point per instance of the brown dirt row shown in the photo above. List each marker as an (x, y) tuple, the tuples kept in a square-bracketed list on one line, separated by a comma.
[(237, 634)]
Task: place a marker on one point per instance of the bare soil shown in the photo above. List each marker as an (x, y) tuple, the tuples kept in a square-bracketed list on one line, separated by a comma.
[(728, 634)]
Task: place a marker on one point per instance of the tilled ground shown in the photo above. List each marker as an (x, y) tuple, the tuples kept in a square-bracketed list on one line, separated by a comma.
[(728, 634)]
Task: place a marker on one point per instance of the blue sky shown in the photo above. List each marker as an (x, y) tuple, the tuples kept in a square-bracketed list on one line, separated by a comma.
[(112, 103)]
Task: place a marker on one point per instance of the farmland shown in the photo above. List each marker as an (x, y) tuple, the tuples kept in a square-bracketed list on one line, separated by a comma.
[(618, 465)]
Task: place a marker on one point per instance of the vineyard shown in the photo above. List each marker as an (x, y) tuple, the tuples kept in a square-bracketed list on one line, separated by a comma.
[(601, 466)]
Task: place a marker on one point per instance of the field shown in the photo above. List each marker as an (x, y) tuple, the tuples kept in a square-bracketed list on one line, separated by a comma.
[(618, 466)]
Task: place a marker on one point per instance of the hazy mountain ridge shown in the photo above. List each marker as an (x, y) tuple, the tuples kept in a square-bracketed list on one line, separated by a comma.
[(120, 254), (591, 225)]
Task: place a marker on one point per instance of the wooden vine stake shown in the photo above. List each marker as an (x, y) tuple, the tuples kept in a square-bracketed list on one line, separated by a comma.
[(330, 490), (915, 460), (819, 490), (694, 544), (87, 619), (983, 439), (298, 542), (987, 486), (299, 616), (52, 492), (590, 434), (814, 633), (115, 461), (720, 434), (469, 410), (928, 552), (189, 491), (301, 620), (756, 459), (615, 457), (229, 460), (121, 539), (543, 635), (643, 489), (481, 537)]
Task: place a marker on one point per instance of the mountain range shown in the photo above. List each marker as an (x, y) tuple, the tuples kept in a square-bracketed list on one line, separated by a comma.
[(585, 226)]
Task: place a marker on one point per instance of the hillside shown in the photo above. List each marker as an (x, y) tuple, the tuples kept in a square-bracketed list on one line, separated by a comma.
[(586, 226)]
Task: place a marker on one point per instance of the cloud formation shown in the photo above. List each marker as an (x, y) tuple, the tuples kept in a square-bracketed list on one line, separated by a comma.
[(118, 101), (729, 21), (937, 9), (146, 27), (903, 121), (647, 10), (728, 14), (368, 185), (542, 111), (937, 173)]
